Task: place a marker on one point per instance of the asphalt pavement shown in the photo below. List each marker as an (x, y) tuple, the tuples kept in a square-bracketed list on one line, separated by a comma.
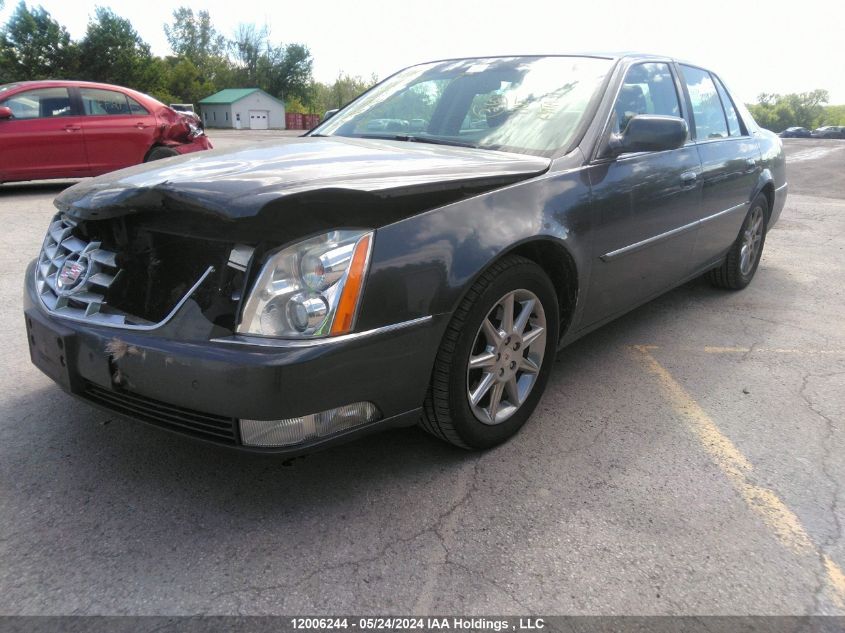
[(686, 459)]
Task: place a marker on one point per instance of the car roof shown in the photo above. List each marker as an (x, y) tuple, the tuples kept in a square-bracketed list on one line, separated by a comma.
[(56, 83), (611, 55)]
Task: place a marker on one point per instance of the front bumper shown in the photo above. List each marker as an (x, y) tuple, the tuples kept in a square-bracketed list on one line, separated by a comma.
[(197, 144), (179, 377)]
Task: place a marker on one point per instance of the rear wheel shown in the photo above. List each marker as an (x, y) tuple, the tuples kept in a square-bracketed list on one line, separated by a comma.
[(495, 358), (738, 269), (157, 153)]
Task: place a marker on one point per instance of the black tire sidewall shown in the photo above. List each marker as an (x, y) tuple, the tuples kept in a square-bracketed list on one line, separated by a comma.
[(158, 153), (744, 280), (473, 432)]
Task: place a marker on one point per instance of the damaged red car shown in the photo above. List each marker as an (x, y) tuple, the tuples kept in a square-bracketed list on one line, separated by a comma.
[(72, 129)]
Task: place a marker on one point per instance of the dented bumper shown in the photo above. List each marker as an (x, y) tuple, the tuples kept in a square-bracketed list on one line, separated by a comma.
[(179, 377), (197, 144)]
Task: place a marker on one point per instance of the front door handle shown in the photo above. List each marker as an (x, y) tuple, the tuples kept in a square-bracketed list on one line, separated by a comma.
[(750, 164), (141, 126), (688, 178), (73, 128)]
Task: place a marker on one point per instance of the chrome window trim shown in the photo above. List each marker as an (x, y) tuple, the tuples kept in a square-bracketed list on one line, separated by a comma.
[(269, 341)]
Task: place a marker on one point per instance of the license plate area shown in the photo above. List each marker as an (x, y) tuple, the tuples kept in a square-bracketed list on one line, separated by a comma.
[(51, 349)]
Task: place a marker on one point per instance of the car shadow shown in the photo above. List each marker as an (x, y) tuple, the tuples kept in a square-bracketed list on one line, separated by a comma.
[(36, 187)]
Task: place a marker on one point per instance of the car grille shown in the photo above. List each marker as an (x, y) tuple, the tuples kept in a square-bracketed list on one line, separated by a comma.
[(209, 426), (73, 275)]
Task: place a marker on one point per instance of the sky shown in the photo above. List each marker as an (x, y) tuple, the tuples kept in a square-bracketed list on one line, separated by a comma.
[(754, 46)]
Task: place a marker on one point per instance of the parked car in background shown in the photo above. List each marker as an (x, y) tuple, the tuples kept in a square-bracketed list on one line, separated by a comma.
[(71, 129), (796, 132), (829, 131), (286, 296)]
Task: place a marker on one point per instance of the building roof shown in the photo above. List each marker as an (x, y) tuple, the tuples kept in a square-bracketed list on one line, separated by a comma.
[(230, 95)]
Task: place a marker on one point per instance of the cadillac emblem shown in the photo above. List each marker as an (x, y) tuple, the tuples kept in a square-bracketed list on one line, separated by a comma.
[(72, 274)]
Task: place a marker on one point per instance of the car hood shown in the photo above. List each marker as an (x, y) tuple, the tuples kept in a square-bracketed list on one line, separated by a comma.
[(239, 184)]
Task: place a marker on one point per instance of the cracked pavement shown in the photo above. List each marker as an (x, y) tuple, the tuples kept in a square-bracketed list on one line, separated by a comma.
[(605, 503)]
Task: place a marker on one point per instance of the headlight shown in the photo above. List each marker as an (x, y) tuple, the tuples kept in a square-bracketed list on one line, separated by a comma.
[(310, 289)]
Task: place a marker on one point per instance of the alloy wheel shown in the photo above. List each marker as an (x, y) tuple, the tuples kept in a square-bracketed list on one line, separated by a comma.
[(751, 241), (506, 356)]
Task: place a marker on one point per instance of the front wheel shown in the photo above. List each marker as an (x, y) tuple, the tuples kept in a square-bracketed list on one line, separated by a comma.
[(495, 358), (157, 153), (741, 262)]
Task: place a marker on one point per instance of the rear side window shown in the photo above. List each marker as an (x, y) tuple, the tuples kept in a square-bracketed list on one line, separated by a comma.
[(710, 122), (40, 103), (647, 89), (98, 102), (734, 127)]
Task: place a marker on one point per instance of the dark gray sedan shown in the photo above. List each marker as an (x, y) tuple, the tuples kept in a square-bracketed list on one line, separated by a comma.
[(425, 271)]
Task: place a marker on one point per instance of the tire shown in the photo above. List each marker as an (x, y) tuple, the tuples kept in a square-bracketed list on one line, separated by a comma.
[(519, 368), (157, 153), (736, 272)]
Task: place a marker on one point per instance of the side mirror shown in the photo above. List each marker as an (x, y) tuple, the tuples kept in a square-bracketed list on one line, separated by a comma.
[(649, 133), (5, 112)]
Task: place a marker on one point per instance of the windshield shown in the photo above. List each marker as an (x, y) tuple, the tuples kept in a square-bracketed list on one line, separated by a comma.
[(530, 105)]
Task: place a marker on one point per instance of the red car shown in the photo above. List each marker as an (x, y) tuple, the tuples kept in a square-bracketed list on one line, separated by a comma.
[(71, 129)]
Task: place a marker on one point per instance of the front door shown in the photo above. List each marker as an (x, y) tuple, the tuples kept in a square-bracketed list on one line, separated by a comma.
[(44, 137), (646, 205)]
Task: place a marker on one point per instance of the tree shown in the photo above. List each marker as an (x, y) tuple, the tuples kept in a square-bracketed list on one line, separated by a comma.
[(344, 89), (282, 70), (778, 112), (34, 46), (194, 38), (113, 52)]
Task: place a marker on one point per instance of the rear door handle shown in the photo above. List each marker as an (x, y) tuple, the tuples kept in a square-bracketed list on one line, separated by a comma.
[(688, 178), (73, 128), (141, 126)]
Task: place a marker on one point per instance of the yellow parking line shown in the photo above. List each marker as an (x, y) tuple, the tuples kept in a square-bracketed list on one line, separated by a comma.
[(781, 520)]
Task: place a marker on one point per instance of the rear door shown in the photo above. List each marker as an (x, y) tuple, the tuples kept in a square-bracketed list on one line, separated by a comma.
[(44, 137), (119, 131), (647, 204), (730, 162)]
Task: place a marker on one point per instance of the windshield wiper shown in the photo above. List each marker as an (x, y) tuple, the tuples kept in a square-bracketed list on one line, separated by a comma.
[(410, 138)]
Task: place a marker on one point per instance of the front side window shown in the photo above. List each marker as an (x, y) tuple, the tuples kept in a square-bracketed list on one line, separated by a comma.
[(531, 105), (98, 102), (710, 121), (40, 103), (647, 89)]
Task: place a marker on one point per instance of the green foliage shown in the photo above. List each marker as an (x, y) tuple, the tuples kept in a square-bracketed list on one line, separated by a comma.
[(282, 70), (112, 52), (322, 97), (806, 109), (34, 46)]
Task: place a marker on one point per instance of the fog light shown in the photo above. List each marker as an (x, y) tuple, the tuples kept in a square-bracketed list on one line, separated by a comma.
[(296, 430)]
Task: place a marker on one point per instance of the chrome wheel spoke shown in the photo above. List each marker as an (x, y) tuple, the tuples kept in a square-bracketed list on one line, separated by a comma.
[(482, 388), (507, 313), (528, 365), (512, 390), (483, 360), (496, 400), (493, 336), (525, 314), (534, 335)]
